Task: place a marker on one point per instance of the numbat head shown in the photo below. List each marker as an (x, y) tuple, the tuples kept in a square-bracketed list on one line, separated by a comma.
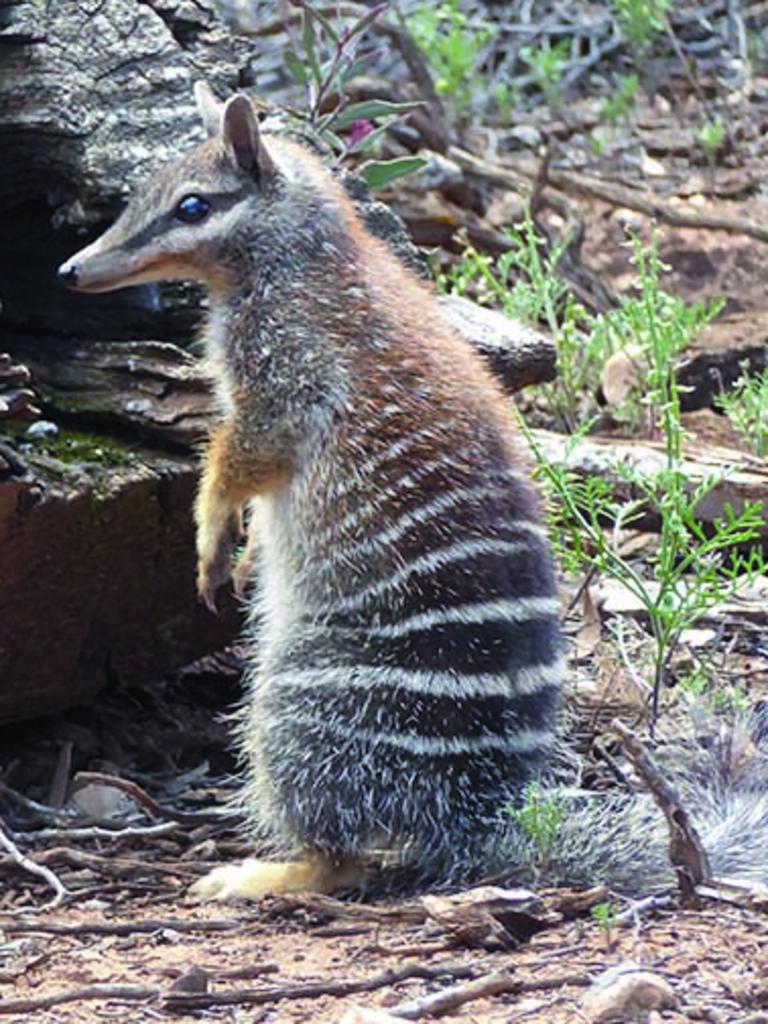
[(192, 220), (406, 661)]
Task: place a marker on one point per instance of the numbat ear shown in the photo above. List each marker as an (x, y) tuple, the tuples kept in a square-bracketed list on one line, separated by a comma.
[(240, 131), (209, 108)]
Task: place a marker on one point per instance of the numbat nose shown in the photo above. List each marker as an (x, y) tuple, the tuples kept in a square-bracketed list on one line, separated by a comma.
[(68, 274)]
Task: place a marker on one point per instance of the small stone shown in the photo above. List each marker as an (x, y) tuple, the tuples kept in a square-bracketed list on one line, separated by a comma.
[(41, 430), (194, 980), (526, 135), (102, 803), (627, 993), (621, 375), (362, 1015), (95, 905), (652, 167), (628, 220)]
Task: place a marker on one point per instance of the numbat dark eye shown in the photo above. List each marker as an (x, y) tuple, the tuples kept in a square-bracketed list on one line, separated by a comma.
[(192, 209)]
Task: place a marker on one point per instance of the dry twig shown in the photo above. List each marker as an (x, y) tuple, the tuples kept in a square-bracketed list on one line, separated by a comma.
[(114, 867), (41, 812), (686, 851), (124, 993), (448, 999), (653, 207), (250, 997), (143, 799), (30, 866), (164, 828), (314, 990), (436, 1003), (327, 906), (519, 178), (14, 926)]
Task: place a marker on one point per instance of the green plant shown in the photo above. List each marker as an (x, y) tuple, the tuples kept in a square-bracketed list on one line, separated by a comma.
[(701, 683), (618, 107), (605, 916), (757, 46), (596, 142), (659, 326), (696, 682), (746, 406), (524, 282), (541, 818), (730, 699), (507, 97), (710, 137), (451, 46), (322, 56), (640, 20), (695, 566), (621, 104), (548, 65)]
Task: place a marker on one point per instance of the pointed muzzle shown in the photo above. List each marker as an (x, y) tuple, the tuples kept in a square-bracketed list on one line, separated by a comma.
[(102, 267)]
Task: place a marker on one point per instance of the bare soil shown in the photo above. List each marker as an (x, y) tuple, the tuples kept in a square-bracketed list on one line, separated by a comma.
[(715, 957)]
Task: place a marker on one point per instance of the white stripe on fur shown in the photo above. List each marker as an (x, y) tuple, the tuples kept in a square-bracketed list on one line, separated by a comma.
[(437, 559), (519, 609), (523, 741), (425, 513), (417, 681)]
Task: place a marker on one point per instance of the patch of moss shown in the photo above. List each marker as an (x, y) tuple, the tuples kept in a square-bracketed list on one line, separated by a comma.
[(63, 401), (73, 447)]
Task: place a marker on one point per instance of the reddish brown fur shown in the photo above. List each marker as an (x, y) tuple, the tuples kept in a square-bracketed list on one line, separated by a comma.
[(422, 344)]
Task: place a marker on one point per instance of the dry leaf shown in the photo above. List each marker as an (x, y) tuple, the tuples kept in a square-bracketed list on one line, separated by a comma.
[(489, 916), (621, 374), (588, 636)]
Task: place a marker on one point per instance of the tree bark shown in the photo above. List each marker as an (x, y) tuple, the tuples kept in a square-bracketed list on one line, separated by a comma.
[(96, 536)]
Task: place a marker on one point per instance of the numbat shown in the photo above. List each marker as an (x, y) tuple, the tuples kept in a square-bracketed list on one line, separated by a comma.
[(406, 663)]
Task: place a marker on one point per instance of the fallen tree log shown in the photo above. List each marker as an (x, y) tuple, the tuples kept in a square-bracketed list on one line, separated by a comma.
[(96, 540), (742, 478), (97, 581), (96, 537), (158, 392)]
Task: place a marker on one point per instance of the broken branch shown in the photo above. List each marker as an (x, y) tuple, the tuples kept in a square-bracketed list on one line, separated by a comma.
[(686, 851)]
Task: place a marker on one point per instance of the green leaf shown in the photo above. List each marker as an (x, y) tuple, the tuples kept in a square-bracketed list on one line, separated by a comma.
[(369, 110), (295, 66), (308, 42), (331, 140), (326, 25), (378, 173)]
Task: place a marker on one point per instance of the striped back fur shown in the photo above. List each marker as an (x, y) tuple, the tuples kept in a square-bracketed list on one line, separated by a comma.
[(408, 663)]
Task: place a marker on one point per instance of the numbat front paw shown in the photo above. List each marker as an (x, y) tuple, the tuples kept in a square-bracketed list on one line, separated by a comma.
[(215, 554), (211, 577)]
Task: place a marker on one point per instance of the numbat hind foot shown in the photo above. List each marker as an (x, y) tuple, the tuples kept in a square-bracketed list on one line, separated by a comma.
[(253, 879)]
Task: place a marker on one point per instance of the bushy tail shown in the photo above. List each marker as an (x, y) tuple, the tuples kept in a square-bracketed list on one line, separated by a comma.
[(621, 839)]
